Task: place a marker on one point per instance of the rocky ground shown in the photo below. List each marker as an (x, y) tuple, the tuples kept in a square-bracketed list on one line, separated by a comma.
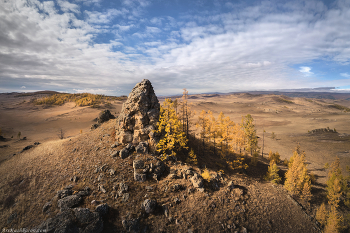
[(82, 183), (109, 180)]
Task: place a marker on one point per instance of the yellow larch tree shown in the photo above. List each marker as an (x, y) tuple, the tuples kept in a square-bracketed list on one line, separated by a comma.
[(250, 133), (272, 173), (173, 139), (297, 177), (185, 111)]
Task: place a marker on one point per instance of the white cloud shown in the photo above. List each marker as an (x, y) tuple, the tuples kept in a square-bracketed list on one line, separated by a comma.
[(67, 6), (153, 30), (248, 48), (346, 75), (23, 87), (306, 70), (96, 17)]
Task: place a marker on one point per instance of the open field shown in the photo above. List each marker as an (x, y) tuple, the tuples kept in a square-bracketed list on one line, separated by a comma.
[(32, 178)]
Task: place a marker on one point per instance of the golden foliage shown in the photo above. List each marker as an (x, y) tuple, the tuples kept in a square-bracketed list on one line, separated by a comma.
[(274, 157), (333, 221), (206, 174), (250, 133), (272, 173), (173, 139), (297, 177), (80, 99), (192, 158), (335, 183), (321, 214)]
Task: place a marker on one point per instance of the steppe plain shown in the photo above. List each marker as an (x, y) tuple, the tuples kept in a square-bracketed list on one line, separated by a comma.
[(290, 119)]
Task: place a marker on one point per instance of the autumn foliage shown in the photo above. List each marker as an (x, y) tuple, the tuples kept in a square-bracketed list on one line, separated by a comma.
[(298, 181)]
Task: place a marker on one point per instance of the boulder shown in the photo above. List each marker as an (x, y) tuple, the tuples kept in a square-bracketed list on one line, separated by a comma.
[(104, 116), (139, 116), (138, 164), (47, 207), (73, 220), (69, 202), (139, 175), (102, 209), (197, 181), (149, 205), (132, 225), (142, 148), (124, 153)]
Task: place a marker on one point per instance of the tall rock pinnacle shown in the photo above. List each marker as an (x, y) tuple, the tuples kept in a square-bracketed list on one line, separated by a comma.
[(139, 116)]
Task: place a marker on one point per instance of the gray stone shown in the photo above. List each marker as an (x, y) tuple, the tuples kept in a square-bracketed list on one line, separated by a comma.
[(149, 188), (104, 116), (142, 148), (159, 168), (46, 207), (84, 215), (115, 153), (69, 202), (132, 225), (149, 205), (85, 192), (64, 193), (124, 153), (102, 209), (111, 172), (139, 176), (197, 181), (138, 164), (123, 187)]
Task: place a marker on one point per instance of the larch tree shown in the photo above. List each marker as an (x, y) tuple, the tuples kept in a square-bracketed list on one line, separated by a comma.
[(250, 133), (185, 112), (202, 123), (272, 173), (297, 177), (226, 132), (212, 129), (335, 184), (173, 139), (239, 139)]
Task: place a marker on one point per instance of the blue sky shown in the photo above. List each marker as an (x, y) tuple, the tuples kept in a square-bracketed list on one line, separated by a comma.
[(106, 47)]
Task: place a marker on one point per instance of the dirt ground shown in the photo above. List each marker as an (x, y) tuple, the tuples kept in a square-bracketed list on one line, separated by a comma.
[(32, 178)]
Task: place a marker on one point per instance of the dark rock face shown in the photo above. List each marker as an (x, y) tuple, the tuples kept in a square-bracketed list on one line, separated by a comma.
[(104, 116), (74, 220), (69, 202), (132, 225), (149, 205), (139, 116)]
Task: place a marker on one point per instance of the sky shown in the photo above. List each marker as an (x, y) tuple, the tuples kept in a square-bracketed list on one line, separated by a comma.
[(107, 46)]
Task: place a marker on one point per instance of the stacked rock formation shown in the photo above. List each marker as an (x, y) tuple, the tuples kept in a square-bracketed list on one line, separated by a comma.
[(139, 116)]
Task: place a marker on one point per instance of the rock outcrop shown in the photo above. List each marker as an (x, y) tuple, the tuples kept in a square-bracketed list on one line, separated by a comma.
[(139, 116)]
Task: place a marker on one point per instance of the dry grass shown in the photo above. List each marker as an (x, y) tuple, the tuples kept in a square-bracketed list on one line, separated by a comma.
[(83, 99)]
